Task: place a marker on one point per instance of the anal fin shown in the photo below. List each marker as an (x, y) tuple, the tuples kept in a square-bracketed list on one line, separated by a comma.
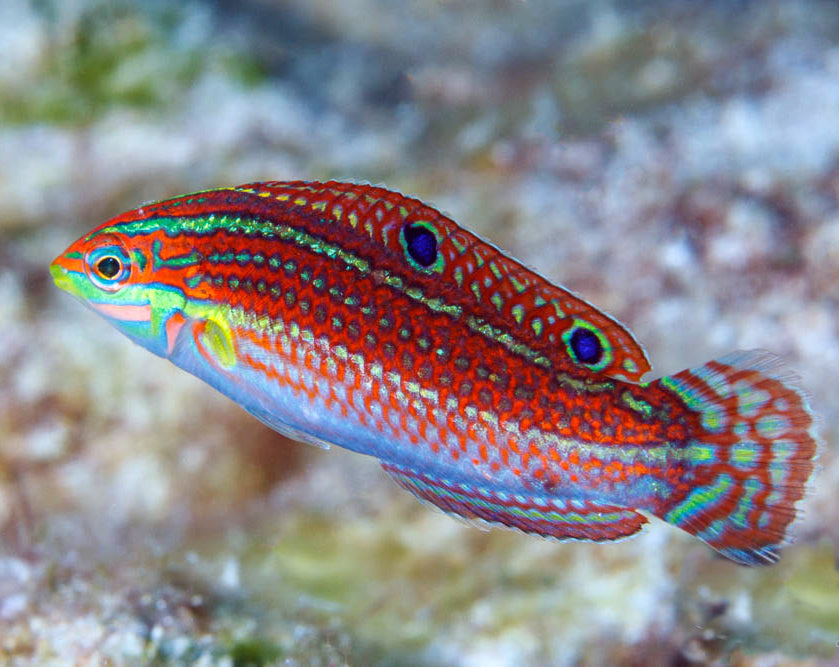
[(556, 518)]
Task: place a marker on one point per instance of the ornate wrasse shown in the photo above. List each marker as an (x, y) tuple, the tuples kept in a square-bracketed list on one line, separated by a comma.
[(350, 314)]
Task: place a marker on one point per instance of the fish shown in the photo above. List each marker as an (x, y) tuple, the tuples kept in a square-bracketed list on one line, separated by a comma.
[(349, 314)]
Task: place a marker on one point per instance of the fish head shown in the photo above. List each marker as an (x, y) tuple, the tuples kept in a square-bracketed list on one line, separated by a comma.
[(136, 281)]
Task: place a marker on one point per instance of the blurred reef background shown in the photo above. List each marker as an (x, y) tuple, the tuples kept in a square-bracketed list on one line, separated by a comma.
[(677, 163)]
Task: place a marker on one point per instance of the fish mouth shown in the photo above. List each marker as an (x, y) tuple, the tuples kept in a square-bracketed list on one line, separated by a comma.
[(66, 268), (60, 276)]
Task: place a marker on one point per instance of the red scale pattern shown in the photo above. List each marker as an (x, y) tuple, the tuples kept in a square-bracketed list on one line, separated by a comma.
[(483, 376)]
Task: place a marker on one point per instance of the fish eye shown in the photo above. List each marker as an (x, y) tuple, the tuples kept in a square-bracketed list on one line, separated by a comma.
[(421, 244), (108, 267)]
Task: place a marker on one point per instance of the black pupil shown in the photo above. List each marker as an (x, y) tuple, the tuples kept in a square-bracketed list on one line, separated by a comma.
[(108, 266), (586, 346), (422, 244)]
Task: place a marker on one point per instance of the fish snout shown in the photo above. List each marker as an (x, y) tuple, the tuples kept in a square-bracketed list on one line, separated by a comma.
[(63, 268), (60, 275)]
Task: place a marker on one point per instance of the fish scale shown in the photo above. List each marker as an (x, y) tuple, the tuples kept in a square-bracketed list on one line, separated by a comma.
[(341, 313)]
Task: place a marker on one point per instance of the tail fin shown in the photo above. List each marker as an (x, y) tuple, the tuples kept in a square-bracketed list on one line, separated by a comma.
[(748, 462)]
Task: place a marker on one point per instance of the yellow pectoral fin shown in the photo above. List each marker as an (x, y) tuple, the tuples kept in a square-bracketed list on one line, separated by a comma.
[(215, 342)]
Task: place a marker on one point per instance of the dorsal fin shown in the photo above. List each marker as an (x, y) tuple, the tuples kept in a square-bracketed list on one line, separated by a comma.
[(502, 295)]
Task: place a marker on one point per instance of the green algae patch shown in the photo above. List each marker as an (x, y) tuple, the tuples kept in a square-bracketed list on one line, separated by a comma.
[(814, 590), (119, 56), (254, 653)]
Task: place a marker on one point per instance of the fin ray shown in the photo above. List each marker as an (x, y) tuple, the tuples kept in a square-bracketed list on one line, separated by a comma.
[(750, 459), (555, 518)]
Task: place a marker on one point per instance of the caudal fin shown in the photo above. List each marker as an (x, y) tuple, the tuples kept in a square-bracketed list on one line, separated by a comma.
[(748, 462)]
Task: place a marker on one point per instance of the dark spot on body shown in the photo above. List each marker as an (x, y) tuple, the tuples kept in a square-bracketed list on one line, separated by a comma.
[(407, 361), (524, 393), (586, 346), (425, 371), (421, 244)]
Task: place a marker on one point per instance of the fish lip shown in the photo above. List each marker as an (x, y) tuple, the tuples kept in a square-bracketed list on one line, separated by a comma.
[(66, 267), (60, 275)]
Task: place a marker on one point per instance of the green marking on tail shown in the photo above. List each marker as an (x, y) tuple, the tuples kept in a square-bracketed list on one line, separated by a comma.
[(750, 456)]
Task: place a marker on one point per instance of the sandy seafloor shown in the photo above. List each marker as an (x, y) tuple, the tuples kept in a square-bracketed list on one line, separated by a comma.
[(677, 163)]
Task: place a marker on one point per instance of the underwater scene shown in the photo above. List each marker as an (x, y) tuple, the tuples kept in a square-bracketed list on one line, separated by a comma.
[(673, 165)]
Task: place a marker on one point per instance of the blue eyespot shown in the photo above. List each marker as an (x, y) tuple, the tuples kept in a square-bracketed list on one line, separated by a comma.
[(421, 244), (586, 346)]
